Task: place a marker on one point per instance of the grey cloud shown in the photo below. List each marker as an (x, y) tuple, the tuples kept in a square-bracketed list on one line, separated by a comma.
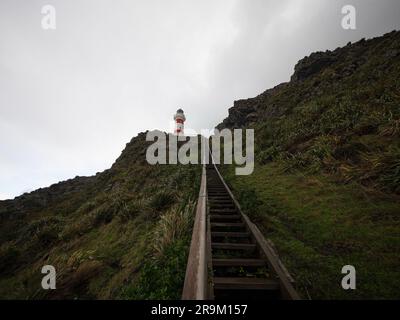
[(70, 99)]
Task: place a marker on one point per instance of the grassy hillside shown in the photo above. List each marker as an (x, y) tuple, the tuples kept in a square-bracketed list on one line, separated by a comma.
[(123, 233), (326, 186), (325, 190), (318, 226)]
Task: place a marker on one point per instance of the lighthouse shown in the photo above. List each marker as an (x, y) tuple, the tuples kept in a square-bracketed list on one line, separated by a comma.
[(179, 118)]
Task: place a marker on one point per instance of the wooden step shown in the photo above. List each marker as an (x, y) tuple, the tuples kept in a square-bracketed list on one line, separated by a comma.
[(221, 283), (233, 246), (230, 234), (223, 198), (219, 210), (222, 205), (219, 201), (228, 204), (214, 217), (218, 193), (238, 263), (227, 224), (220, 198)]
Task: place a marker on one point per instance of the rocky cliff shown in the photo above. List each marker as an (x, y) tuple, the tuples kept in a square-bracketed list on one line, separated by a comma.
[(322, 73)]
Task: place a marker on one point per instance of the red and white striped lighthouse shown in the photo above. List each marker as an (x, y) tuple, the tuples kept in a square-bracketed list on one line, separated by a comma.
[(179, 118)]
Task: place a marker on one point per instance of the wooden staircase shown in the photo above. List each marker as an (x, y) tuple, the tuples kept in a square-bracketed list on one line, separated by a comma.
[(229, 258), (240, 268)]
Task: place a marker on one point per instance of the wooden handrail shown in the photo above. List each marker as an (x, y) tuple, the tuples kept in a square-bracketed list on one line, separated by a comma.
[(196, 279), (197, 285)]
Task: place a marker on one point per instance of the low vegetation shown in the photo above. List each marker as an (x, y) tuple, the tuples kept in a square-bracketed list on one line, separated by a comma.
[(319, 225), (326, 183), (325, 189), (124, 233)]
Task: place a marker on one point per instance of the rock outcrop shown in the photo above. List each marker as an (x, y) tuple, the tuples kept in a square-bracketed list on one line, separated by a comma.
[(316, 75)]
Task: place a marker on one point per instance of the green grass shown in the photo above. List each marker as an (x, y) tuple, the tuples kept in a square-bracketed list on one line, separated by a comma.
[(319, 225)]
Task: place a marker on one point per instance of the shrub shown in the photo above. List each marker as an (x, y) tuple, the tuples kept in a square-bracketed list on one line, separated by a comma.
[(382, 169), (44, 231), (324, 146), (103, 215), (350, 151), (162, 200), (268, 155), (161, 278), (48, 235), (9, 257), (392, 128), (297, 161), (116, 205), (387, 168), (88, 206), (172, 226), (130, 210)]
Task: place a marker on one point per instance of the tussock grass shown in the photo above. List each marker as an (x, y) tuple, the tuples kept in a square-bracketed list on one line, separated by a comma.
[(382, 169), (162, 200), (173, 225)]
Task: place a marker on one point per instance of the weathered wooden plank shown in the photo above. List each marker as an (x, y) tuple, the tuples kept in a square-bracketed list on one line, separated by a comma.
[(233, 246), (222, 283), (231, 234), (239, 263)]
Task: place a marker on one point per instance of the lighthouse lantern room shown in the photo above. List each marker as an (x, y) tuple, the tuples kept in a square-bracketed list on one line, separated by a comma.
[(179, 118)]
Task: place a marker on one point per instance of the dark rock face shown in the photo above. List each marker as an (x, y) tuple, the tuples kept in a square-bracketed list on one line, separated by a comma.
[(311, 65), (248, 111), (241, 113)]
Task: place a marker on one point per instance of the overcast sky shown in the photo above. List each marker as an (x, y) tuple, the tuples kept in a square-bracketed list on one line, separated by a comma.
[(71, 98)]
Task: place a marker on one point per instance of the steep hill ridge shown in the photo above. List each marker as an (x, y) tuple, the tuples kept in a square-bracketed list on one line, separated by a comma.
[(123, 233), (326, 185), (319, 74)]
